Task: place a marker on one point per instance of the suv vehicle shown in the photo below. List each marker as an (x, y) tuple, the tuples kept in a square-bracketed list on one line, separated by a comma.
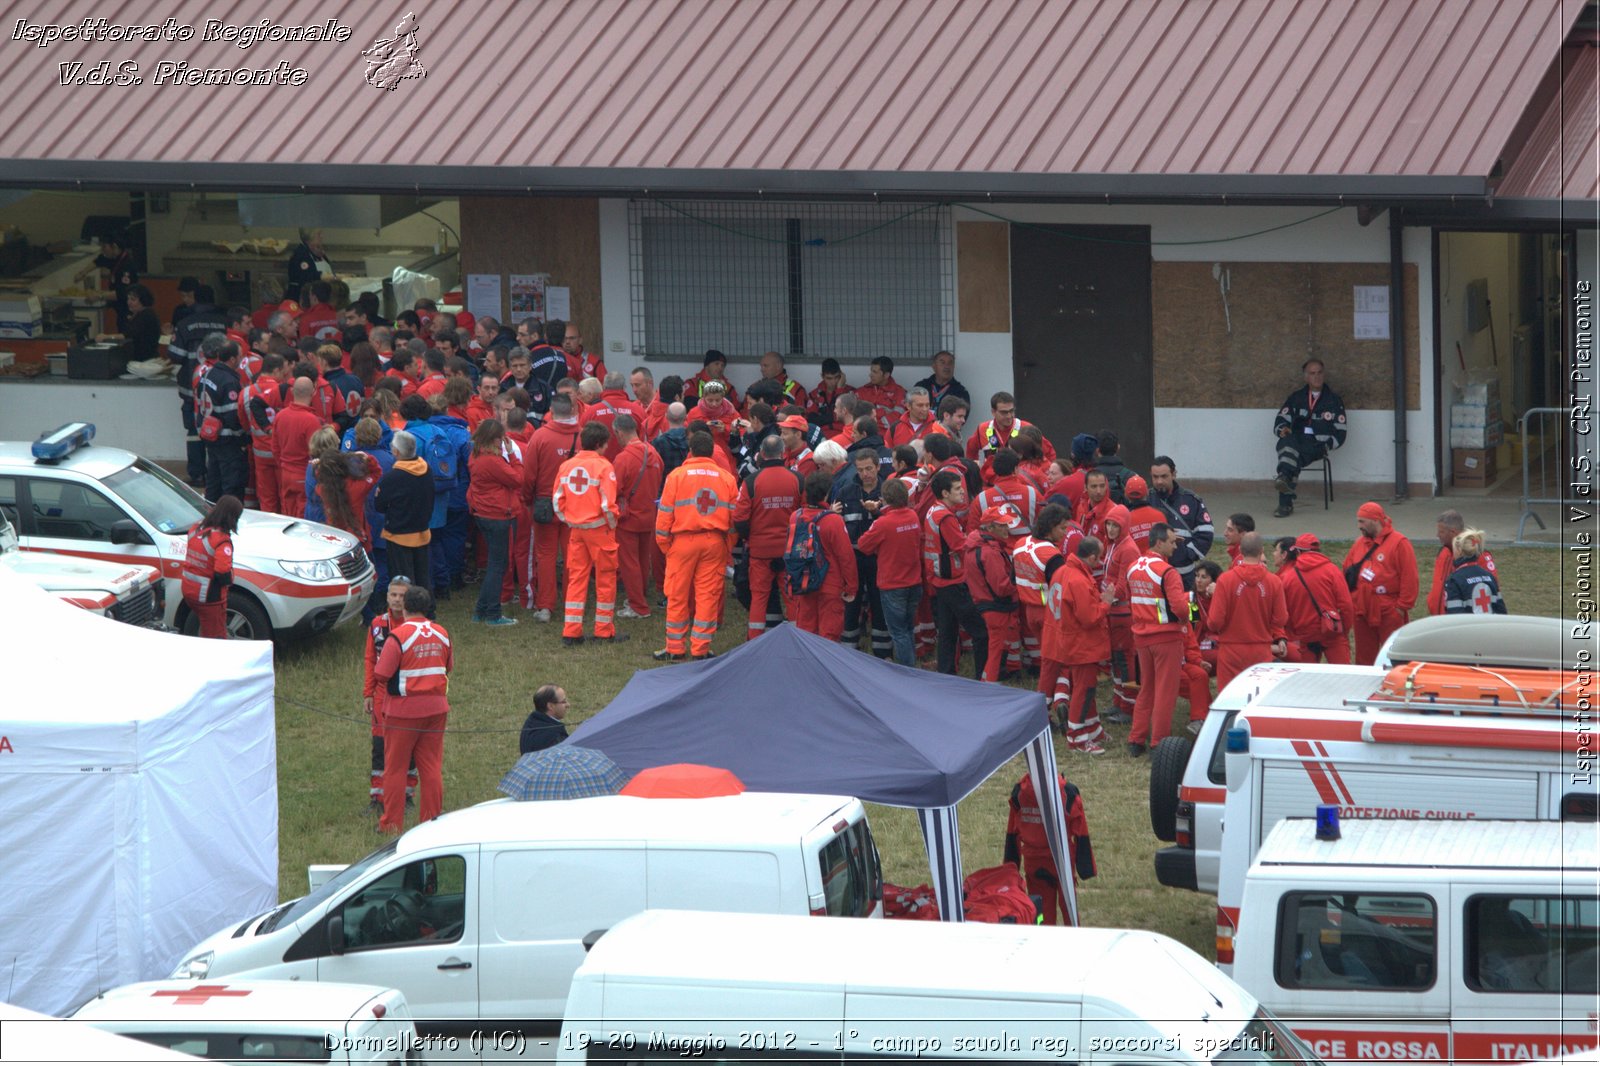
[(132, 594), (68, 496)]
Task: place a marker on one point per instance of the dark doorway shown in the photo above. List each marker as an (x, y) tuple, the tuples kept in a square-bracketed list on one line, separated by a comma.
[(1081, 334)]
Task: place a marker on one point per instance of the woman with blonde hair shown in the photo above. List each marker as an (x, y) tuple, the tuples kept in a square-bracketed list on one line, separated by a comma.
[(1471, 587)]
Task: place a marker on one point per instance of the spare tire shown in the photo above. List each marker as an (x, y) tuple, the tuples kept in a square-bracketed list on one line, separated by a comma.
[(1167, 764)]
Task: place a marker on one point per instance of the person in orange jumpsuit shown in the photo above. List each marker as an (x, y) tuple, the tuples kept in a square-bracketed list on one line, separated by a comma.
[(1248, 613), (208, 566), (694, 526), (551, 445), (1381, 572), (414, 667), (291, 446), (1027, 844), (822, 611), (1073, 643), (586, 501)]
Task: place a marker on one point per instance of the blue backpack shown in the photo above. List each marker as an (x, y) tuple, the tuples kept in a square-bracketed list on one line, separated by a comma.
[(434, 446), (805, 568)]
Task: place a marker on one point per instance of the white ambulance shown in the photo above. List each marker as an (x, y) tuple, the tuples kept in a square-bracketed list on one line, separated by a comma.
[(70, 497), (732, 988), (132, 594), (255, 1021), (1462, 941)]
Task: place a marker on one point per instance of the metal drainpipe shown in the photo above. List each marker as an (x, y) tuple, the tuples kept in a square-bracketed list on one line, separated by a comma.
[(1397, 301)]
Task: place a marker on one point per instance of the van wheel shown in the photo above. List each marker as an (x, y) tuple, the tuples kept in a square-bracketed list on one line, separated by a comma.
[(1167, 764), (246, 620)]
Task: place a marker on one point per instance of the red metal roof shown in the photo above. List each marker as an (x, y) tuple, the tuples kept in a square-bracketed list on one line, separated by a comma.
[(1561, 159), (850, 95)]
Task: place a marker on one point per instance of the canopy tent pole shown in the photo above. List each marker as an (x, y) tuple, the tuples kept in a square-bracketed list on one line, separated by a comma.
[(1046, 788), (942, 833)]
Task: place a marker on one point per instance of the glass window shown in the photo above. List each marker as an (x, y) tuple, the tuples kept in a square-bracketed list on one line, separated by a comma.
[(70, 511), (841, 881), (241, 1047), (1266, 1039), (159, 498), (1357, 941), (8, 504), (422, 901), (1216, 769), (1532, 944)]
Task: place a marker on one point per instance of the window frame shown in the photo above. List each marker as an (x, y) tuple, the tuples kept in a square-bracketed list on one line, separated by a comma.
[(1287, 947)]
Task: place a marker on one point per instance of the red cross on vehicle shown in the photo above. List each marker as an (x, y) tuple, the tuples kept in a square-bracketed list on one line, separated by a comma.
[(197, 996)]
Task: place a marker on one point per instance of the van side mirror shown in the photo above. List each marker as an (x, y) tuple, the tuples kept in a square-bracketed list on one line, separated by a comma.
[(127, 531), (592, 939), (336, 934)]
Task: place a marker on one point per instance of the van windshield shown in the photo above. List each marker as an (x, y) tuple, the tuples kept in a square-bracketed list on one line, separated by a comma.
[(1265, 1038), (331, 887)]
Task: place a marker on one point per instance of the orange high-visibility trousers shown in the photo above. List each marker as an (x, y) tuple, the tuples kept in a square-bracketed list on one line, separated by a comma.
[(591, 550), (695, 564)]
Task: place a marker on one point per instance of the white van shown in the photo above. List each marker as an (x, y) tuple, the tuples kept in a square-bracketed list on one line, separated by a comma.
[(1292, 764), (1453, 941), (251, 1021), (483, 913), (732, 987)]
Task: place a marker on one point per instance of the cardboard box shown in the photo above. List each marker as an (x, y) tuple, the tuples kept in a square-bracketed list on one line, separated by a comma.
[(1475, 436), (1480, 392), (1473, 468), (1468, 414)]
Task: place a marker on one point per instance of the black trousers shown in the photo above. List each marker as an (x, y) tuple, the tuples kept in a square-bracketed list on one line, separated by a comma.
[(227, 468), (415, 563), (953, 611)]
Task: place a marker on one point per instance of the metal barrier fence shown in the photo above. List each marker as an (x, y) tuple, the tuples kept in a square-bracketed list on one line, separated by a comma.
[(1544, 463)]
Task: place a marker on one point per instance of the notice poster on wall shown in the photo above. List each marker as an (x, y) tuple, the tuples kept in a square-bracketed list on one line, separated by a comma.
[(1372, 312), (528, 296), (558, 301), (483, 295)]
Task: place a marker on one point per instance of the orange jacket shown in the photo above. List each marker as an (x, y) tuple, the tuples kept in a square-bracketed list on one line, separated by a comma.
[(1247, 606), (586, 492), (207, 565), (1160, 606), (697, 497), (1076, 628)]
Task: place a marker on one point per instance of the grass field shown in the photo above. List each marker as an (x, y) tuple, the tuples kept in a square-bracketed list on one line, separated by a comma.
[(324, 751)]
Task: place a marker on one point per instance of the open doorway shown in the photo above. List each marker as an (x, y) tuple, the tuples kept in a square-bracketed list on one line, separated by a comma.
[(1502, 344)]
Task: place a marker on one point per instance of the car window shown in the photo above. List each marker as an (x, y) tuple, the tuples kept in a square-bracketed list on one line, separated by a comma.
[(159, 498), (420, 902), (71, 511), (8, 502), (1353, 941), (1532, 944), (1216, 769)]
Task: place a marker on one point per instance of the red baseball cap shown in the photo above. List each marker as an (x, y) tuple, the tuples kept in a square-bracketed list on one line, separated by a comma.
[(794, 422), (291, 307), (994, 516), (465, 320), (1308, 542), (1135, 487)]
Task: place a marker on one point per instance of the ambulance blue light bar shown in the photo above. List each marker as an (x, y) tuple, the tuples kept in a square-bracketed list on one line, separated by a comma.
[(59, 443)]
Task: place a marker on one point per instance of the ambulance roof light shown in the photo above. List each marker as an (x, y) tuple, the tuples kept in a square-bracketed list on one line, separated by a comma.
[(1238, 739), (56, 445), (1327, 821)]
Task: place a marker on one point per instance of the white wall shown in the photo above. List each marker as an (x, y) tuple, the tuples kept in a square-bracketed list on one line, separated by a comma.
[(141, 418), (1213, 443)]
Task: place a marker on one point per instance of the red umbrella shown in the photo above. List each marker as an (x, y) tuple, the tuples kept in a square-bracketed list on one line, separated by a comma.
[(683, 780)]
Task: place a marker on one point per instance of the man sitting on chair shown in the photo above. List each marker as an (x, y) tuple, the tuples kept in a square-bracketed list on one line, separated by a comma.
[(1310, 424)]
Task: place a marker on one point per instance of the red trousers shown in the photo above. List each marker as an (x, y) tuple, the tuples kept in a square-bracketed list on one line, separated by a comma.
[(820, 612), (1124, 677), (924, 628), (1235, 659), (1197, 690), (762, 579), (213, 617), (695, 581), (405, 739), (636, 556), (1160, 670), (1044, 881), (1072, 686), (518, 584), (549, 542), (1032, 623), (1335, 649), (265, 468), (1002, 626), (1370, 638), (591, 551), (292, 489)]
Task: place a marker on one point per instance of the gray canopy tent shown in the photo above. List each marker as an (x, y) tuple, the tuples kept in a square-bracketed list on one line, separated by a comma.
[(792, 712)]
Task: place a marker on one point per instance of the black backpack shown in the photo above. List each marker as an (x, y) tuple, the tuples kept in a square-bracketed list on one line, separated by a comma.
[(805, 568)]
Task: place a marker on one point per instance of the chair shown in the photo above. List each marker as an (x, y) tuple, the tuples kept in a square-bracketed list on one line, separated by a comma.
[(1326, 463)]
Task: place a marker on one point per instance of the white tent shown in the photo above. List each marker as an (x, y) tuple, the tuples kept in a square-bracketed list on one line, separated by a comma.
[(138, 797)]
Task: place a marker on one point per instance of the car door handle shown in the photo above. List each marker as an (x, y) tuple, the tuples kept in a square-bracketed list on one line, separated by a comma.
[(455, 964)]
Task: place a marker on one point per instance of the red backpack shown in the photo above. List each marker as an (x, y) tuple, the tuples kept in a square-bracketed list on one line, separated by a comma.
[(999, 895)]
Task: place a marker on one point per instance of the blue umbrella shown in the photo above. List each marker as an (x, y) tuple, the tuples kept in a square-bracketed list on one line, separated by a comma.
[(565, 771)]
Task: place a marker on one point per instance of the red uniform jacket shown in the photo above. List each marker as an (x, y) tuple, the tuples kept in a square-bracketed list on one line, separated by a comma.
[(477, 411), (903, 432), (991, 575), (415, 665), (943, 538), (1445, 562), (1160, 605), (585, 365), (1388, 577), (1035, 561), (291, 437), (726, 414), (1014, 496), (207, 565), (691, 389), (890, 401), (842, 579), (1070, 487), (1313, 585), (553, 444), (1076, 626), (379, 631), (1119, 555), (260, 407), (357, 487), (655, 421), (1092, 516), (1247, 606), (494, 486), (986, 440), (1027, 841), (825, 403), (1140, 520), (896, 539), (639, 473), (614, 402), (767, 500)]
